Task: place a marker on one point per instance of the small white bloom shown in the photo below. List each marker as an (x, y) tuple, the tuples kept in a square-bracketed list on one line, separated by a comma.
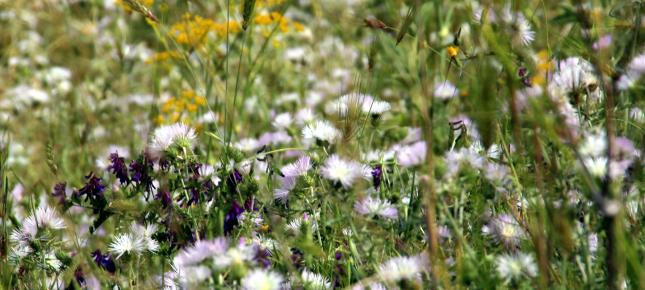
[(515, 266), (282, 121), (445, 90), (314, 280), (43, 218), (343, 171), (525, 33), (400, 268), (127, 244), (261, 279), (375, 206), (175, 134), (321, 130)]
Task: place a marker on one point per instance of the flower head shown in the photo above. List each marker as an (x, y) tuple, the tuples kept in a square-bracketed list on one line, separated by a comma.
[(321, 130), (176, 134), (313, 280), (262, 279), (504, 229), (375, 206), (515, 266), (340, 170), (127, 244), (400, 268)]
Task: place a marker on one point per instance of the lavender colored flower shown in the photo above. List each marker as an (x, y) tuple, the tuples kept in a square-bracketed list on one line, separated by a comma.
[(165, 197), (376, 206), (104, 261), (234, 178), (504, 229), (119, 168)]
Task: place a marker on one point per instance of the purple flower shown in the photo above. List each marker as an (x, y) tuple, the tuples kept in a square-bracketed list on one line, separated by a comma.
[(104, 261), (233, 180), (59, 192), (141, 170), (165, 197), (119, 168), (93, 189), (377, 175), (232, 216)]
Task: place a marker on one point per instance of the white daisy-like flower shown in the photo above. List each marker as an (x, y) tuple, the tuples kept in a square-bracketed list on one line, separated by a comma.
[(248, 145), (127, 244), (201, 250), (515, 266), (314, 281), (573, 74), (262, 279), (525, 33), (43, 218), (400, 268), (594, 145), (376, 107), (144, 233), (637, 114), (176, 134), (321, 130), (637, 64), (445, 90), (295, 225), (189, 275), (282, 121), (298, 168), (304, 116), (410, 155), (597, 166), (52, 262), (340, 170), (237, 255), (504, 229), (375, 206)]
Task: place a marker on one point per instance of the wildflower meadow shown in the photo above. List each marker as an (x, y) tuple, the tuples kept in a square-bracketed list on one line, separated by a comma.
[(322, 144)]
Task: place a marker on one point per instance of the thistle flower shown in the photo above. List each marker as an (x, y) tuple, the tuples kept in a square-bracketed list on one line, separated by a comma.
[(144, 233), (43, 218), (402, 268), (282, 121), (340, 170), (525, 33), (127, 244), (321, 130), (515, 266), (262, 279), (298, 168), (375, 206), (176, 134), (314, 281), (504, 229)]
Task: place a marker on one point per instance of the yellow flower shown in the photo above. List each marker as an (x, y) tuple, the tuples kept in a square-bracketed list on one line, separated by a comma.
[(453, 51)]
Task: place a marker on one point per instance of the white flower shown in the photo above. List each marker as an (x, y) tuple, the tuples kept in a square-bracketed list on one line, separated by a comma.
[(410, 155), (176, 134), (637, 64), (343, 171), (525, 33), (127, 244), (321, 130), (597, 166), (261, 279), (314, 280), (504, 229), (248, 145), (298, 168), (594, 145), (573, 74), (144, 233), (515, 266), (445, 90), (200, 251), (400, 268), (43, 218), (53, 262), (282, 121), (304, 116), (376, 107), (375, 206)]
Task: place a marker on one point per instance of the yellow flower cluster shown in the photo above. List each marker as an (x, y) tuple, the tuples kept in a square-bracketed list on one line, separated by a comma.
[(163, 56), (543, 66), (181, 108), (192, 30), (126, 7), (266, 18)]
